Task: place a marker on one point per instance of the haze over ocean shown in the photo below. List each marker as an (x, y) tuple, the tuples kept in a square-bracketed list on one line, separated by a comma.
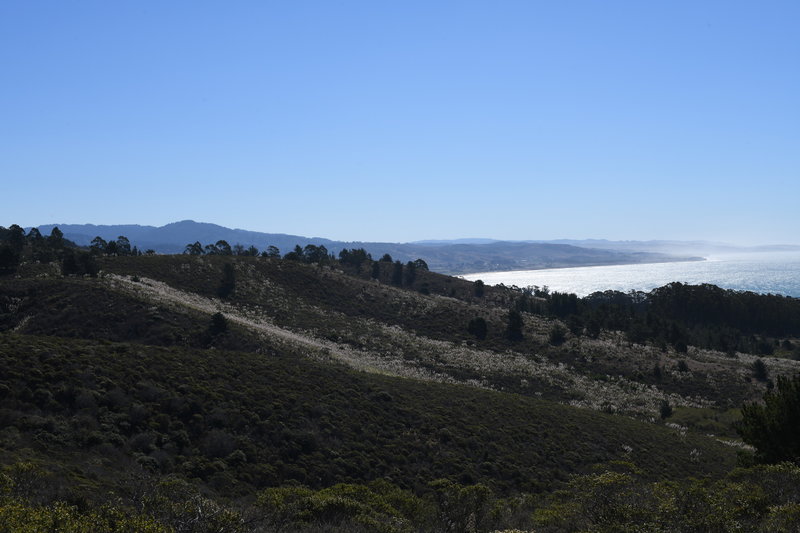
[(776, 273)]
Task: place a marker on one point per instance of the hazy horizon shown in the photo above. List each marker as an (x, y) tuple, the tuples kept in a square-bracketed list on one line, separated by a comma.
[(375, 122), (434, 240)]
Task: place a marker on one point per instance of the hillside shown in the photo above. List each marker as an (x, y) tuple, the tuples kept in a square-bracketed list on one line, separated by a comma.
[(446, 257), (305, 376)]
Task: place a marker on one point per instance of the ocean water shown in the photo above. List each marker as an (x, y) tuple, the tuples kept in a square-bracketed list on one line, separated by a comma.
[(776, 273)]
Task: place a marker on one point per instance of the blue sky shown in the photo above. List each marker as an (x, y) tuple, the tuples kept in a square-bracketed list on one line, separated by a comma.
[(399, 121)]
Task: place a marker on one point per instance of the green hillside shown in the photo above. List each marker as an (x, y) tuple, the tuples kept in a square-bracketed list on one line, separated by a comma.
[(299, 395)]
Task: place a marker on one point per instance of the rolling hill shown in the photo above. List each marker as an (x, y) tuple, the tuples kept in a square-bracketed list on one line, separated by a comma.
[(449, 257), (343, 396)]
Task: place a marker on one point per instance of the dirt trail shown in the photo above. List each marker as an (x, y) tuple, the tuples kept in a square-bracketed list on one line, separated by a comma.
[(614, 394), (161, 293)]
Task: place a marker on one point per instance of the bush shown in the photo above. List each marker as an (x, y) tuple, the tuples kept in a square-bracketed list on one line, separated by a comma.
[(760, 370), (515, 323), (477, 326), (558, 334), (218, 325), (665, 409)]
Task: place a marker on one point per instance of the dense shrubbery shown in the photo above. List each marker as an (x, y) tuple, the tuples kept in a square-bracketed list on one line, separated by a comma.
[(178, 411), (677, 314), (615, 498), (148, 420), (773, 427), (764, 498)]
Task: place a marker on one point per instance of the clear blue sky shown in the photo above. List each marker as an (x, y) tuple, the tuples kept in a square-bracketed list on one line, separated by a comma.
[(399, 121)]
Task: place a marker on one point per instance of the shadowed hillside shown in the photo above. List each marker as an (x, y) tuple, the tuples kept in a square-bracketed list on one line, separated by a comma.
[(268, 388)]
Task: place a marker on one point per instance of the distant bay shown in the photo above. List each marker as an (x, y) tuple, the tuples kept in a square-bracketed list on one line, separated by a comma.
[(776, 273)]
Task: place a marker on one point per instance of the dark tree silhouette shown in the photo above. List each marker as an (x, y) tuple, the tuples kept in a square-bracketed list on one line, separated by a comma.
[(760, 370), (420, 264), (477, 326), (228, 283), (123, 246), (56, 239), (218, 325), (515, 323), (772, 428), (223, 248), (16, 238), (478, 288), (410, 273), (397, 273), (9, 260), (194, 249), (98, 245), (271, 251)]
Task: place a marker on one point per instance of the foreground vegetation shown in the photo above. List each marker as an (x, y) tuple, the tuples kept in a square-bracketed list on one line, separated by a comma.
[(229, 390)]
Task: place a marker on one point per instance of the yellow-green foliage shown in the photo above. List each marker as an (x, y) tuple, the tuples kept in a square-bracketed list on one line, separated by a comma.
[(20, 517), (706, 420), (763, 498), (377, 507)]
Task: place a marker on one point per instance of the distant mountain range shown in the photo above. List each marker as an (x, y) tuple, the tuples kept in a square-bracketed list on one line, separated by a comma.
[(459, 256), (672, 247)]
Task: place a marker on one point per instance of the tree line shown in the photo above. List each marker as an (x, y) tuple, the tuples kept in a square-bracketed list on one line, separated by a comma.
[(356, 259), (677, 315)]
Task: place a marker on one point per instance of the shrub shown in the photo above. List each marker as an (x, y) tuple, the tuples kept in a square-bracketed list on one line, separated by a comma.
[(665, 409), (477, 326), (558, 334), (760, 370)]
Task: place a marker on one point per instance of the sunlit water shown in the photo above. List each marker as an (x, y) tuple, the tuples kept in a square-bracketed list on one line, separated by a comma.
[(776, 273)]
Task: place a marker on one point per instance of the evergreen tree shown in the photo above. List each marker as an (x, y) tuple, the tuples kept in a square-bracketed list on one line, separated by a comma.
[(760, 370), (397, 273), (515, 324), (9, 259), (35, 237), (218, 325), (295, 255), (410, 273), (228, 282), (56, 239), (478, 288), (477, 326), (774, 427), (557, 335), (16, 238)]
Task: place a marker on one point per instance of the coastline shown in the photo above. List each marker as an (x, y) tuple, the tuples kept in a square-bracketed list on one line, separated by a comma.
[(763, 274), (567, 266)]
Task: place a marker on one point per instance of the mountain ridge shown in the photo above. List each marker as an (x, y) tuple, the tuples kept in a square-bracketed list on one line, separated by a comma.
[(461, 256)]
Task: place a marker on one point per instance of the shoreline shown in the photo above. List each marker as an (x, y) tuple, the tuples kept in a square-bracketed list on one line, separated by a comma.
[(464, 275)]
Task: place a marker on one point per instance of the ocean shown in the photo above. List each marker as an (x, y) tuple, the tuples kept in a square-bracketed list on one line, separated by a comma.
[(775, 273)]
